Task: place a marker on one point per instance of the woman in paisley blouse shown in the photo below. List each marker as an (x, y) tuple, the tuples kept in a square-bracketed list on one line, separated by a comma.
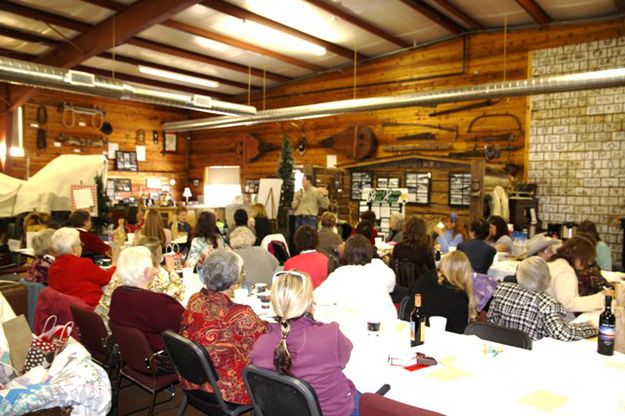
[(227, 330), (206, 238)]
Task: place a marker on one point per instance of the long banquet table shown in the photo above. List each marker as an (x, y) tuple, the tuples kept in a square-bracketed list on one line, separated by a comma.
[(475, 377)]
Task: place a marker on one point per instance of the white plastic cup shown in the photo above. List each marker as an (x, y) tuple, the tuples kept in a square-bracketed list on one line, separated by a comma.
[(438, 323), (187, 272), (131, 237)]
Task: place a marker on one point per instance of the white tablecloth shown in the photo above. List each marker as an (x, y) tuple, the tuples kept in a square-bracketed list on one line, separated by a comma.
[(555, 378)]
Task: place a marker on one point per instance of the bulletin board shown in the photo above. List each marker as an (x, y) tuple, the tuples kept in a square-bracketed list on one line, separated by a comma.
[(459, 189), (360, 181), (419, 188)]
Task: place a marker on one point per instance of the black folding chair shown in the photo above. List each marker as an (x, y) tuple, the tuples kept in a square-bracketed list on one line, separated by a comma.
[(193, 363), (500, 334)]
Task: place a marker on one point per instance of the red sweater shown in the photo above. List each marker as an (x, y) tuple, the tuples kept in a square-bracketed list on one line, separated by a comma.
[(313, 263), (78, 277), (149, 312), (91, 243)]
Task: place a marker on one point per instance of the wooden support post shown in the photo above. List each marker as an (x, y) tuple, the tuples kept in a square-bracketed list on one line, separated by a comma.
[(478, 171)]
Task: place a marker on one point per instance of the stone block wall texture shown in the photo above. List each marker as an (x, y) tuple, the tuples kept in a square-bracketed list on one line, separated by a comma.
[(577, 142)]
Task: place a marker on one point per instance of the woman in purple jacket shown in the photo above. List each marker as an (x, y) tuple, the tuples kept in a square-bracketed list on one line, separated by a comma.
[(301, 347)]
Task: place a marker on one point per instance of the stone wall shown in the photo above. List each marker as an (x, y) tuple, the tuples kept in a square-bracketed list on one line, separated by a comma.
[(577, 142)]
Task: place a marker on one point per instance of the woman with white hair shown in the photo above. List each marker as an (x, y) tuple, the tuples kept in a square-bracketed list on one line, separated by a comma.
[(134, 305), (526, 306), (396, 228), (259, 264), (72, 275), (298, 345), (227, 330), (42, 246)]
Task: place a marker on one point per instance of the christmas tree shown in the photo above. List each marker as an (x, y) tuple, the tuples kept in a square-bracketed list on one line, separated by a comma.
[(285, 172)]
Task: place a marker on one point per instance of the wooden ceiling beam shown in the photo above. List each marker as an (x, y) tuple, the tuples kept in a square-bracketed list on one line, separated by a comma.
[(232, 10), (361, 23), (27, 36), (134, 61), (147, 81), (121, 27), (155, 46), (620, 5), (460, 14), (183, 53), (40, 15), (534, 10), (193, 30), (434, 15), (8, 53)]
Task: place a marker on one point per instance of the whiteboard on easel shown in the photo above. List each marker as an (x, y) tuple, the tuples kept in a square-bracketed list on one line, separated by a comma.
[(269, 195)]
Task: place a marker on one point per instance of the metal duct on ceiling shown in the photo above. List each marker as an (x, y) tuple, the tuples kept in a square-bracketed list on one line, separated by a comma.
[(562, 83), (49, 77)]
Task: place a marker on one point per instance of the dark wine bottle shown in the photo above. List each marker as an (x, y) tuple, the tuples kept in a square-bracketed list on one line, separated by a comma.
[(607, 329), (417, 323)]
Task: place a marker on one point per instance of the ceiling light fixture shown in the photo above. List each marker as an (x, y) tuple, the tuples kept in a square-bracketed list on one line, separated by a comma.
[(177, 77)]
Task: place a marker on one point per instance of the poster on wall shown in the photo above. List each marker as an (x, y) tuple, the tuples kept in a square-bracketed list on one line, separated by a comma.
[(419, 188), (360, 181), (459, 189), (126, 161)]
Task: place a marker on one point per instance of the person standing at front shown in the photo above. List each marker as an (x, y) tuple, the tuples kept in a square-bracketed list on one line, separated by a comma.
[(307, 203)]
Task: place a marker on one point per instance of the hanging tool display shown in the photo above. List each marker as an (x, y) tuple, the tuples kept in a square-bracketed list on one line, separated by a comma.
[(517, 121), (96, 141), (466, 107), (419, 136), (451, 129), (356, 142), (70, 111), (490, 152), (496, 138), (418, 146)]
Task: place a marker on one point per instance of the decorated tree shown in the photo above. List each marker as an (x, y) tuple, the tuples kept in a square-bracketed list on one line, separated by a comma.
[(285, 172)]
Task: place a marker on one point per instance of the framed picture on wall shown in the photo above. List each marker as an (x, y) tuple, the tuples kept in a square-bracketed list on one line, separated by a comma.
[(459, 189), (126, 161), (170, 143), (419, 188), (360, 181)]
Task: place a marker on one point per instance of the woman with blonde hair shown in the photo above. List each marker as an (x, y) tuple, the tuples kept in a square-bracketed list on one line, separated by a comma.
[(260, 223), (153, 227), (298, 345), (448, 292)]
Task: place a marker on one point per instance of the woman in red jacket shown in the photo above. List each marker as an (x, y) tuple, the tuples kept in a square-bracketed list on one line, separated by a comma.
[(73, 275)]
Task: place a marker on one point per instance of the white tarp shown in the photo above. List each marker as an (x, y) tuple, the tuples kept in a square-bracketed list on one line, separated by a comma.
[(8, 191), (49, 189)]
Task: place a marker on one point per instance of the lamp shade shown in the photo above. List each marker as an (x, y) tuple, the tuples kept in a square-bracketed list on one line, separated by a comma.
[(187, 193)]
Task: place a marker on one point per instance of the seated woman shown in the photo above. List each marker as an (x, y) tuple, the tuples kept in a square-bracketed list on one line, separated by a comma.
[(308, 260), (258, 263), (396, 228), (134, 305), (165, 281), (206, 238), (498, 235), (361, 287), (227, 330), (416, 248), (452, 235), (135, 219), (370, 217), (448, 292), (526, 306), (91, 243), (480, 253), (329, 239), (262, 225), (73, 275), (38, 269), (300, 346), (604, 255), (576, 253), (153, 227)]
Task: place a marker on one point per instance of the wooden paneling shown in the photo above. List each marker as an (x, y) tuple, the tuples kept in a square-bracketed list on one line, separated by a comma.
[(125, 118), (457, 63)]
